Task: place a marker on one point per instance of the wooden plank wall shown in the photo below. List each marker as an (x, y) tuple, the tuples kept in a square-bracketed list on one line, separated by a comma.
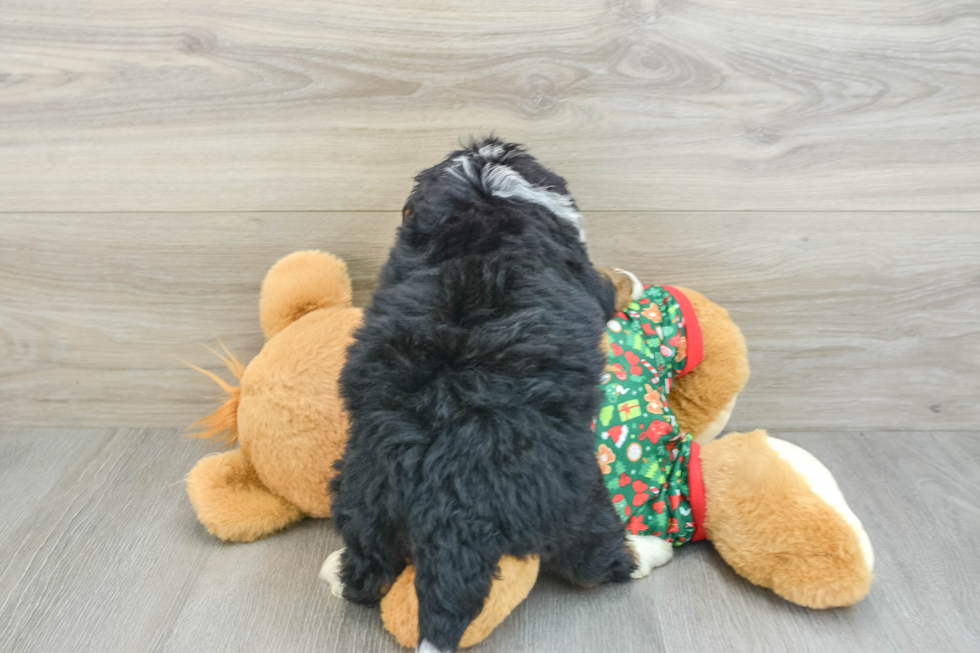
[(855, 321), (814, 167)]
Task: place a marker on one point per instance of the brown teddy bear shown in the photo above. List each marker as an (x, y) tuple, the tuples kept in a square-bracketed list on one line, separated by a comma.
[(289, 423), (287, 416), (773, 511)]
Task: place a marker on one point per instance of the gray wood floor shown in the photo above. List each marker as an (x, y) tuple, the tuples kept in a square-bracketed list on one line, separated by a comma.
[(811, 166), (100, 551)]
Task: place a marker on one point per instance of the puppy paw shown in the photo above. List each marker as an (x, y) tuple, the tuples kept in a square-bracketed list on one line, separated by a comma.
[(649, 552), (330, 572)]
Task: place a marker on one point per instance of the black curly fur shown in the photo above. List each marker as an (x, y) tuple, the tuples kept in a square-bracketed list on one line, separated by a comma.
[(471, 388)]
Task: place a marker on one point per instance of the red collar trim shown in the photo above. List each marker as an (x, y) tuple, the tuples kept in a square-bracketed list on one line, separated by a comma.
[(699, 505), (695, 340)]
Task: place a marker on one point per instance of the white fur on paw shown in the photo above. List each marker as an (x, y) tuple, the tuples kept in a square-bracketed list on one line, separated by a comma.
[(650, 551), (824, 485), (427, 647), (637, 286), (330, 572)]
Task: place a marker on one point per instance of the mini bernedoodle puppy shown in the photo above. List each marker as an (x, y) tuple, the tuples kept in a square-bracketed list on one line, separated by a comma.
[(471, 388)]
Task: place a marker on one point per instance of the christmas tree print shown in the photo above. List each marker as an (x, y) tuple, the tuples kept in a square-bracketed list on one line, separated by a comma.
[(645, 459)]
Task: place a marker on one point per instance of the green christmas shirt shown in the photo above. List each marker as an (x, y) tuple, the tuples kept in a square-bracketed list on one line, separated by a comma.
[(641, 450)]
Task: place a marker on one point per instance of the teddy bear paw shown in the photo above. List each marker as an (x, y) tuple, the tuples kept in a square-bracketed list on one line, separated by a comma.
[(649, 551), (330, 572)]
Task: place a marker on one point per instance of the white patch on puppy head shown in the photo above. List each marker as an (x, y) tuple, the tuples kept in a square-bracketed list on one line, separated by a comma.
[(649, 551), (503, 181), (330, 572), (465, 170), (493, 152), (426, 647)]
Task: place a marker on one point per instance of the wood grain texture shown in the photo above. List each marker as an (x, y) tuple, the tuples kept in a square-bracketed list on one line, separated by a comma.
[(113, 560), (866, 321), (98, 313), (810, 166), (854, 321), (642, 104)]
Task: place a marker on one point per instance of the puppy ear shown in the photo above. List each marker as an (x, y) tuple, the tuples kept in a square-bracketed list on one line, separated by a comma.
[(625, 284)]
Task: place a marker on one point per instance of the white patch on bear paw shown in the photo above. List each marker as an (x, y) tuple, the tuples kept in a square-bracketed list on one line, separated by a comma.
[(330, 572), (824, 485), (650, 551)]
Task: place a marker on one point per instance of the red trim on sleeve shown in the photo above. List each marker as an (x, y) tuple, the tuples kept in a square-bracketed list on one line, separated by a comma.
[(695, 340), (699, 506)]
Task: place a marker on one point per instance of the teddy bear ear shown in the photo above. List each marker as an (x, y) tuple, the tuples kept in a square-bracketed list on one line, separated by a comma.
[(299, 283), (628, 287)]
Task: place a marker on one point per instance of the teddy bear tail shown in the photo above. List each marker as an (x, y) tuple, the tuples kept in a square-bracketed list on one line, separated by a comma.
[(231, 501), (299, 283), (224, 421)]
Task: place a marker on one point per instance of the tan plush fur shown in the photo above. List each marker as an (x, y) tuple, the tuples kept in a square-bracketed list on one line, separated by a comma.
[(300, 283), (400, 607), (768, 524), (698, 398), (291, 419), (232, 502), (286, 416)]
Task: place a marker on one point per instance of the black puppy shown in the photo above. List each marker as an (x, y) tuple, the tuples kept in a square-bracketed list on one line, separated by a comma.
[(471, 389)]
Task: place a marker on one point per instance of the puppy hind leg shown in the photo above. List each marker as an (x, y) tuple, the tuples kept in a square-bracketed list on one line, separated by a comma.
[(595, 549), (593, 561), (366, 568)]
